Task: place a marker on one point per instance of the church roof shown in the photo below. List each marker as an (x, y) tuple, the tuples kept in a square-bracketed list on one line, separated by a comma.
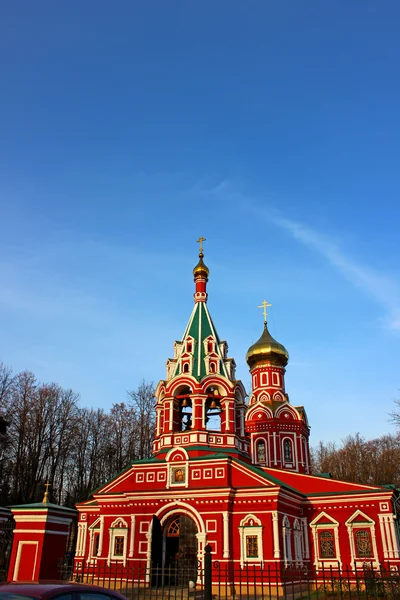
[(201, 328), (310, 485)]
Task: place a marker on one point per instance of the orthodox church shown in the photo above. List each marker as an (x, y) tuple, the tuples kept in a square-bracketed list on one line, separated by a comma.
[(233, 473)]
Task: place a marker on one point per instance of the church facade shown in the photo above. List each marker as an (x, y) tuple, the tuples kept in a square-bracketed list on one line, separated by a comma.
[(233, 473)]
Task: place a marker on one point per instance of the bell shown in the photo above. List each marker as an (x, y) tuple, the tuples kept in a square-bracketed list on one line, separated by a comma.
[(213, 404), (185, 402)]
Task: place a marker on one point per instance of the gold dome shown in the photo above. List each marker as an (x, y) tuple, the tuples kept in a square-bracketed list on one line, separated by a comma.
[(201, 270), (266, 349)]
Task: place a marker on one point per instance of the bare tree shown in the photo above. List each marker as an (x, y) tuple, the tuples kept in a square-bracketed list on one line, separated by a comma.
[(142, 400)]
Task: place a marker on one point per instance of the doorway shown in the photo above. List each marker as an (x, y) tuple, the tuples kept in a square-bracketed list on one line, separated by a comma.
[(174, 547)]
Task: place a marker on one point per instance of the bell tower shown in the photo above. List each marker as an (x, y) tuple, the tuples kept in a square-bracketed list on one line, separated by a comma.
[(278, 431), (200, 405)]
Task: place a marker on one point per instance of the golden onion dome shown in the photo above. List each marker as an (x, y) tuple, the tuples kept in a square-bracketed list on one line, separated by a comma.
[(266, 349), (201, 270)]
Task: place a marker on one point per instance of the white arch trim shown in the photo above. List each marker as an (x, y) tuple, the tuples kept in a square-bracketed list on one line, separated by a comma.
[(258, 407), (287, 408), (176, 450), (117, 521), (178, 507), (247, 518)]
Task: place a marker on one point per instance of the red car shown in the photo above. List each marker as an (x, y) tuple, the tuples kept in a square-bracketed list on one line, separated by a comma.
[(56, 591)]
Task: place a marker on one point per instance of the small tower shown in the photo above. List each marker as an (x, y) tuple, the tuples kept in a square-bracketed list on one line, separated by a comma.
[(200, 405), (278, 431)]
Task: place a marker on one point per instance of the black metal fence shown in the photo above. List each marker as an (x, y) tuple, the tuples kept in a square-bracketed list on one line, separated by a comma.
[(217, 581)]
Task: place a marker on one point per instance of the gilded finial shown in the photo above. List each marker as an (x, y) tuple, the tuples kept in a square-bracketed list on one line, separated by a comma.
[(46, 493), (200, 241), (264, 305)]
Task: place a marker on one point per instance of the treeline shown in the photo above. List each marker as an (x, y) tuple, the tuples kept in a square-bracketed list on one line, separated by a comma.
[(372, 462), (48, 437)]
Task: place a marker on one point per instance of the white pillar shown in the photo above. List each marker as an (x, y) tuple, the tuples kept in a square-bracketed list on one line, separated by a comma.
[(132, 537), (149, 536), (384, 536), (101, 536), (241, 422), (275, 527), (395, 541), (305, 537), (226, 534)]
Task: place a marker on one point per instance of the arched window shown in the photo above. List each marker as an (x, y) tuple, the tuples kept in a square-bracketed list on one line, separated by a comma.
[(213, 410), (363, 543), (186, 368), (326, 544), (261, 454), (174, 528), (288, 451), (212, 367)]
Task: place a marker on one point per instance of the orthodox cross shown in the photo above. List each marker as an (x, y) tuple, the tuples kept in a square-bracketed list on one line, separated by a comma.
[(200, 241), (46, 493), (264, 305)]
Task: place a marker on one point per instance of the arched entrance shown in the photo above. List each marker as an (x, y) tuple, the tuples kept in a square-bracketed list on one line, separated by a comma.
[(174, 548)]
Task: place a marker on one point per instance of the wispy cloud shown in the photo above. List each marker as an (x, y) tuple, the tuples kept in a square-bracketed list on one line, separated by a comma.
[(382, 288), (377, 285)]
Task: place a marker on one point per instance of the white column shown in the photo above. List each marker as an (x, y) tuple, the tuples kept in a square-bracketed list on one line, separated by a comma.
[(226, 534), (132, 536), (111, 541), (157, 422), (171, 415), (78, 540), (351, 540), (201, 544), (275, 461), (395, 541), (83, 538), (149, 535), (241, 422), (384, 535), (275, 527), (305, 537), (101, 536)]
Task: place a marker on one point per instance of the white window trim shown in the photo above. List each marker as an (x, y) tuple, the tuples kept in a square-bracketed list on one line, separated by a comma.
[(244, 531), (287, 544), (95, 528), (320, 562), (293, 465), (115, 531), (356, 561)]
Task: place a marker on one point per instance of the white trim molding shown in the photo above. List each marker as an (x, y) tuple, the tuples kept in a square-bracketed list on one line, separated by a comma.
[(324, 522), (359, 521), (251, 527)]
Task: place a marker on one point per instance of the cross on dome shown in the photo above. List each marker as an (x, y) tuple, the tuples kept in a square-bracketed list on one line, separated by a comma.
[(200, 241), (264, 305)]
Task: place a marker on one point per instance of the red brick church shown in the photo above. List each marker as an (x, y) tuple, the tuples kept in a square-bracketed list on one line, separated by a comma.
[(232, 474)]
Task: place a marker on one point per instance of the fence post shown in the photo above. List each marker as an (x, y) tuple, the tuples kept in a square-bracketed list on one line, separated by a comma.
[(207, 572)]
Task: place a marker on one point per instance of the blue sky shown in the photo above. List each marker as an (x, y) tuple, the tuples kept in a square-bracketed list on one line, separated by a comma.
[(128, 129)]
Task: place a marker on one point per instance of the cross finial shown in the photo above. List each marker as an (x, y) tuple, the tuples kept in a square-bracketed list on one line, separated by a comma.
[(200, 241), (46, 493), (264, 305)]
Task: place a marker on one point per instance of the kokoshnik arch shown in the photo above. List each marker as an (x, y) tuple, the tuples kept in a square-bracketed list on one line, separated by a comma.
[(232, 474)]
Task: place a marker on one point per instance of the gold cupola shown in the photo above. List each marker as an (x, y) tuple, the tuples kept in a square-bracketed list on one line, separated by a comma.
[(266, 350), (201, 270)]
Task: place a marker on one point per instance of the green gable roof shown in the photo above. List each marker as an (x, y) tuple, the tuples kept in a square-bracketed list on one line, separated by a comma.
[(200, 328)]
